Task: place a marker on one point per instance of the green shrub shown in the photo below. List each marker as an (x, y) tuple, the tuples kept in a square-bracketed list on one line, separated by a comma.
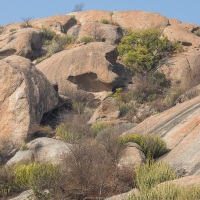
[(98, 127), (37, 176), (86, 40), (13, 29), (143, 50), (24, 147), (104, 21), (67, 135), (152, 145), (197, 32), (1, 29), (7, 181), (48, 33), (169, 192), (152, 173)]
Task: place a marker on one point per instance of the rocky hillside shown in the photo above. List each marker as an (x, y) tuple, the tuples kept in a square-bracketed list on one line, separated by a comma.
[(71, 93)]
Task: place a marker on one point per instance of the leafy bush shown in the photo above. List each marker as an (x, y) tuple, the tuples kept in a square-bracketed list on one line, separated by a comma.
[(86, 40), (13, 29), (168, 192), (104, 21), (73, 129), (67, 135), (1, 29), (7, 181), (152, 173), (98, 127), (152, 145), (197, 32), (24, 147), (142, 51), (37, 176), (48, 33)]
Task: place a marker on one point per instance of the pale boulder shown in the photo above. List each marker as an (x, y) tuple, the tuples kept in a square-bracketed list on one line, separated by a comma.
[(87, 67), (25, 42), (44, 149), (24, 97)]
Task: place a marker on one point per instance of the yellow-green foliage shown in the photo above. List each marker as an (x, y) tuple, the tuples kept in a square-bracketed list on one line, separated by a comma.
[(143, 50), (153, 173), (35, 175), (86, 40), (99, 126), (24, 147), (67, 135), (152, 145), (104, 21), (7, 181), (197, 32), (169, 192)]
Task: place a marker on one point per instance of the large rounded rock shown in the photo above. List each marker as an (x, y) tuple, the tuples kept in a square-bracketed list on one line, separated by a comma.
[(184, 69), (87, 67), (183, 33), (179, 126), (42, 150), (136, 20), (59, 23), (25, 96), (131, 157), (25, 42), (101, 32), (108, 111), (126, 19)]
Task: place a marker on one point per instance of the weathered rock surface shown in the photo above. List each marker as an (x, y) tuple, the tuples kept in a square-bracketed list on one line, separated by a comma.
[(131, 157), (193, 92), (184, 69), (124, 196), (183, 33), (101, 32), (88, 67), (24, 42), (106, 112), (126, 19), (136, 20), (26, 195), (60, 23), (173, 21), (24, 97), (42, 150), (179, 126), (184, 181)]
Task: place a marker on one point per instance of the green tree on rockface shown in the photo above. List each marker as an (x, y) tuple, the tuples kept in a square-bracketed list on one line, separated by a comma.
[(143, 51)]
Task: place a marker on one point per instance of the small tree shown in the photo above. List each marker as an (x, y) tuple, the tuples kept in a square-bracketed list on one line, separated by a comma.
[(143, 51), (78, 7)]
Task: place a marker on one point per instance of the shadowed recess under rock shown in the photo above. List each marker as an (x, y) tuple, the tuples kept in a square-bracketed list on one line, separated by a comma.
[(89, 82)]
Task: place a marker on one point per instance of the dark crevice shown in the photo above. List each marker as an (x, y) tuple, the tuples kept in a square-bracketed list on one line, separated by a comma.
[(89, 82)]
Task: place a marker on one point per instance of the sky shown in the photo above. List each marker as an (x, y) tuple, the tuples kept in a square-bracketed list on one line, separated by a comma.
[(12, 11)]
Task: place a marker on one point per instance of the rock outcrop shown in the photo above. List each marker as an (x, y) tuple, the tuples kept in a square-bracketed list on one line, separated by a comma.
[(101, 32), (184, 34), (108, 111), (126, 19), (42, 150), (25, 42), (59, 24), (131, 156), (179, 126), (24, 97), (183, 70), (87, 67), (184, 181)]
